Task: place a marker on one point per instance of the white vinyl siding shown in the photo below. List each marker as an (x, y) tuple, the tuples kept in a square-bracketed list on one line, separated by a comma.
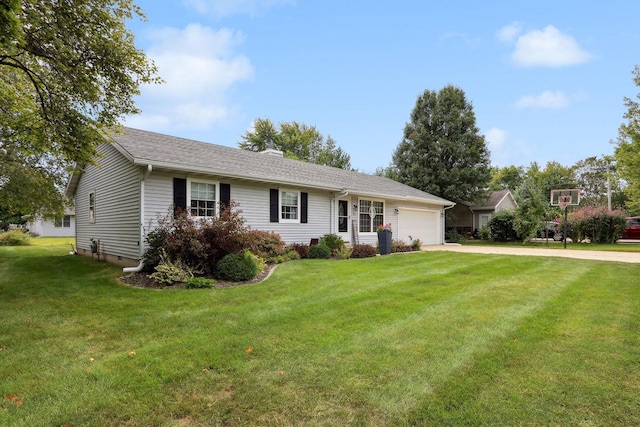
[(116, 185)]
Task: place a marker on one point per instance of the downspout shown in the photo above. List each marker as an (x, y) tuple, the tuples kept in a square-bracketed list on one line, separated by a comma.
[(140, 266), (443, 222)]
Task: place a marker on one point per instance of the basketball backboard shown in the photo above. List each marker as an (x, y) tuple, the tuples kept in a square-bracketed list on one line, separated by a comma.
[(566, 197)]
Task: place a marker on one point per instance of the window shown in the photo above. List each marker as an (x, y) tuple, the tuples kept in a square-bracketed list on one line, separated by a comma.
[(343, 216), (289, 207), (92, 206), (371, 215), (202, 197), (63, 222)]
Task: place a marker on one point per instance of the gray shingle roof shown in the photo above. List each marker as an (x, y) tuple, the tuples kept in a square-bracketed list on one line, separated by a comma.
[(173, 153)]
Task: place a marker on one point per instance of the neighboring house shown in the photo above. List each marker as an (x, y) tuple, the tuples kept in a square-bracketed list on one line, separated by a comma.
[(57, 227), (142, 176), (466, 218)]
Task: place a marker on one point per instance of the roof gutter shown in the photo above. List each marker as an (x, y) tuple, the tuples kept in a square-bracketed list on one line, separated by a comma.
[(140, 266)]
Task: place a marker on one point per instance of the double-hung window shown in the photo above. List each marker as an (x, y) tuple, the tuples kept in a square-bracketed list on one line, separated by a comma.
[(202, 196), (63, 222), (371, 215), (289, 206)]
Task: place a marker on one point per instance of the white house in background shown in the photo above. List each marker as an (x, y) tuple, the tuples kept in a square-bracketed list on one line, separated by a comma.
[(142, 176), (57, 227)]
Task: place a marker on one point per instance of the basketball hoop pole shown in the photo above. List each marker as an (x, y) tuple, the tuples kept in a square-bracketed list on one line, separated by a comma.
[(564, 235)]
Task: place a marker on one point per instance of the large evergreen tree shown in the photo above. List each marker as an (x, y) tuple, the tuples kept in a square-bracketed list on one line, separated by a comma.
[(297, 141), (442, 151), (627, 151), (68, 73)]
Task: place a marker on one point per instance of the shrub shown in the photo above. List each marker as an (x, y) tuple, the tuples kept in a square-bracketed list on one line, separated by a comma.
[(292, 254), (399, 246), (200, 283), (597, 224), (267, 245), (14, 238), (416, 244), (484, 233), (363, 251), (502, 226), (344, 252), (197, 244), (333, 242), (239, 267), (452, 235), (319, 251), (301, 248), (170, 272)]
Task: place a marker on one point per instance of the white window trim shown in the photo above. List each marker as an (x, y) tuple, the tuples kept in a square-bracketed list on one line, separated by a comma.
[(299, 208), (217, 201), (384, 214)]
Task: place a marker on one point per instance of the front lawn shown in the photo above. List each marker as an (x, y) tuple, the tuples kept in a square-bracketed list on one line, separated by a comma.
[(433, 338)]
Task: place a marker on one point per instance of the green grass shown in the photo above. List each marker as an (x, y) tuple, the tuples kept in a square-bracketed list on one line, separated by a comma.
[(618, 247), (431, 338)]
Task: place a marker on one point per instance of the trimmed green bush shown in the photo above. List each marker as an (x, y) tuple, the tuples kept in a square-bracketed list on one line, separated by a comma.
[(319, 251), (14, 238), (239, 267)]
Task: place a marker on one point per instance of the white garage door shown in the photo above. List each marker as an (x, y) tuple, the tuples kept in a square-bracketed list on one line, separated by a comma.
[(419, 224)]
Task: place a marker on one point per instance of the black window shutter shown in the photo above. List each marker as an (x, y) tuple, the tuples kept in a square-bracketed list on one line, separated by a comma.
[(179, 194), (304, 208), (225, 196), (273, 204)]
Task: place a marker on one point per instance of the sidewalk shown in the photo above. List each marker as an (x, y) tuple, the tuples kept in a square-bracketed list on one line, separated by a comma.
[(630, 257)]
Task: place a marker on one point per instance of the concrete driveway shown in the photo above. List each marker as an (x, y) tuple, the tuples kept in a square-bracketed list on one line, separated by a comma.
[(631, 257)]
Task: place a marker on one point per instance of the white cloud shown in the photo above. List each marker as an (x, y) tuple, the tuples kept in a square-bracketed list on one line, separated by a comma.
[(222, 8), (546, 48), (496, 137), (509, 32), (546, 100), (200, 67)]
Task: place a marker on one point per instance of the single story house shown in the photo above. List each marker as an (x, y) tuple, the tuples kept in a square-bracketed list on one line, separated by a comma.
[(466, 218), (141, 176), (56, 227)]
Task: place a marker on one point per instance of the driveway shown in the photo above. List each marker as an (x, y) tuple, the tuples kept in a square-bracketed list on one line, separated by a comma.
[(631, 257)]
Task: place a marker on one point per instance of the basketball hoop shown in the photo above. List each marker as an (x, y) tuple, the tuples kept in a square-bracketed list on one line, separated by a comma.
[(564, 201)]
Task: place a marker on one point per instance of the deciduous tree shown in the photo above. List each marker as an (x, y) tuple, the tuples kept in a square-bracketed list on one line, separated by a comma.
[(297, 141), (627, 150), (68, 73)]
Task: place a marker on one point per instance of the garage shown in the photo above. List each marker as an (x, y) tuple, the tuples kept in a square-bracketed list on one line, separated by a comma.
[(419, 224)]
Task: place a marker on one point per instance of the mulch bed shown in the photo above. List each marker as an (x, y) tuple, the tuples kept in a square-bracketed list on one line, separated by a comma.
[(142, 280)]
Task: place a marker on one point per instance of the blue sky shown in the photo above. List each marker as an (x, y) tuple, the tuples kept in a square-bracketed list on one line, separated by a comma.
[(546, 78)]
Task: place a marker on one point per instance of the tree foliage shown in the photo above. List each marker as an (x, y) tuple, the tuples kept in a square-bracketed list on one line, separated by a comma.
[(442, 151), (297, 141), (68, 73), (627, 151)]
